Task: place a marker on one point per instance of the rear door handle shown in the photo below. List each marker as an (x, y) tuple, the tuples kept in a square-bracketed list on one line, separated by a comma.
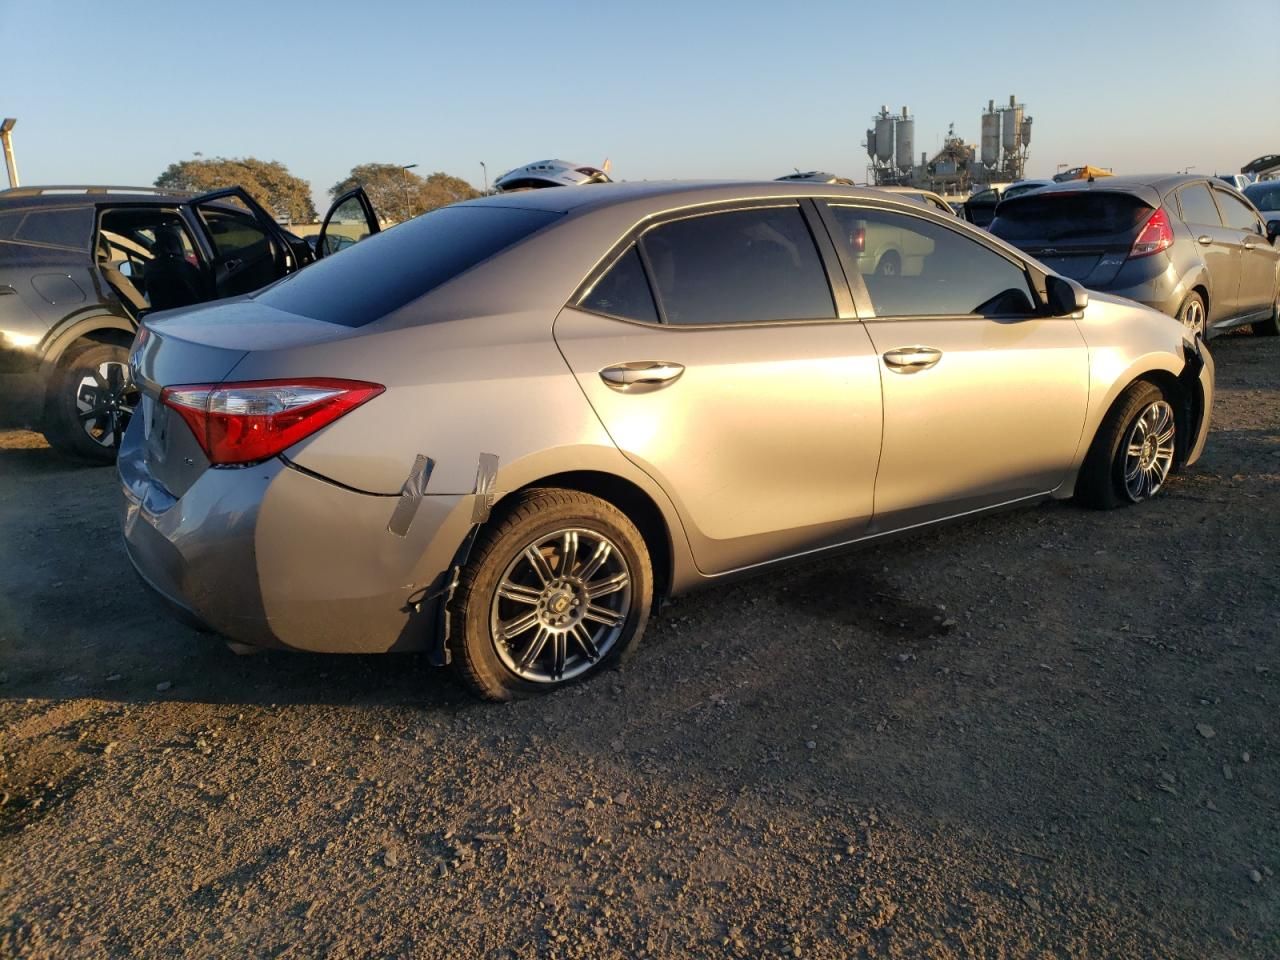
[(640, 376), (912, 359), (1205, 239), (1250, 245)]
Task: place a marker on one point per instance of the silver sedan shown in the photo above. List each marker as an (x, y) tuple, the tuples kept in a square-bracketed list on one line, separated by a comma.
[(505, 430)]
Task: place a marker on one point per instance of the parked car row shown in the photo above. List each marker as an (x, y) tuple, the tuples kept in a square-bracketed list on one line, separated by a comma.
[(506, 430)]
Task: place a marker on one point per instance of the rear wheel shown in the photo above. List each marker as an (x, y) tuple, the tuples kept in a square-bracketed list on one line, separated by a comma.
[(1192, 316), (557, 589), (1133, 452), (890, 265), (91, 399)]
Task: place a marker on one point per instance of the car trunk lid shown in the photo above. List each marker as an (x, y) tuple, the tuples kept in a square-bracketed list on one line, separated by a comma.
[(202, 346), (1082, 234)]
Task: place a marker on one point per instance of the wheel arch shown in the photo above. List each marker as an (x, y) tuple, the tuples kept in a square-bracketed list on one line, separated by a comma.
[(639, 507), (99, 328)]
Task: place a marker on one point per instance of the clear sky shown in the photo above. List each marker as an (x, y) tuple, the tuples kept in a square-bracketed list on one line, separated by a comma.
[(114, 92)]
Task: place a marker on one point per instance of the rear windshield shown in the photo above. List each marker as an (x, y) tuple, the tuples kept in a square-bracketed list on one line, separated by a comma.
[(1265, 196), (376, 276), (1061, 216)]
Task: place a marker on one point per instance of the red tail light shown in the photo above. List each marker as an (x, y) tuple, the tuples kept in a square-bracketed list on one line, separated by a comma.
[(1156, 235), (247, 422), (859, 239)]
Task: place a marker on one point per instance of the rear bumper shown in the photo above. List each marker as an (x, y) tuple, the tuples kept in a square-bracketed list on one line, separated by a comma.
[(274, 557)]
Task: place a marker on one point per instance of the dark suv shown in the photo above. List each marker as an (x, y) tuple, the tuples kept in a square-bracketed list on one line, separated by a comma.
[(1191, 247), (80, 265)]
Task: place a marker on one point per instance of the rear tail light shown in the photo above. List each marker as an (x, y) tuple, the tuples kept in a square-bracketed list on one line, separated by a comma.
[(859, 239), (242, 423), (1156, 235)]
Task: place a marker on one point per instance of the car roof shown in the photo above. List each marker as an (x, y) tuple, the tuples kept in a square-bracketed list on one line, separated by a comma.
[(660, 192), (1149, 187), (61, 195)]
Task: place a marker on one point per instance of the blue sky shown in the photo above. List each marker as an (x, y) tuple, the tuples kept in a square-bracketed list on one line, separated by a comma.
[(115, 92)]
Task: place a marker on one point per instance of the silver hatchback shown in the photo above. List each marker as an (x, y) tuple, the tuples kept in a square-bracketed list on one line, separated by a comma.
[(505, 430)]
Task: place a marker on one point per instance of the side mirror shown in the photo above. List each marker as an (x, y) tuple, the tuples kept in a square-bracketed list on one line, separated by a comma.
[(126, 269), (1273, 231), (1065, 296)]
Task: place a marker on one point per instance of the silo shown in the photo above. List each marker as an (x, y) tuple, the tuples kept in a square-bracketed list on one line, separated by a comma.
[(990, 135), (871, 144), (1012, 126), (904, 139), (884, 136), (1026, 133)]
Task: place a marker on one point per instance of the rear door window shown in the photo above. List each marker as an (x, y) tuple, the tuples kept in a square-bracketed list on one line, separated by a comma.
[(739, 266), (623, 290), (67, 227), (1197, 206), (386, 271), (1045, 218), (914, 267), (1236, 213)]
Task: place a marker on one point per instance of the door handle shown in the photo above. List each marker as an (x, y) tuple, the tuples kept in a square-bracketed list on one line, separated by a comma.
[(642, 375), (911, 359), (1204, 239), (232, 265), (1249, 245)]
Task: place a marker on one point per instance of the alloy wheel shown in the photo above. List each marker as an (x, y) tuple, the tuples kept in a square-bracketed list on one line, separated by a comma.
[(106, 397), (1149, 451), (1193, 318), (560, 605)]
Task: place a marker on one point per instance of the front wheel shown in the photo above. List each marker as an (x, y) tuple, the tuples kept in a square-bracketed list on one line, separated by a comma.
[(558, 588), (1193, 316), (1133, 452)]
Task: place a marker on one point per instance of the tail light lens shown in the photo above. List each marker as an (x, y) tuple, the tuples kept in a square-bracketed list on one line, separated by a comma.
[(1156, 235), (859, 239), (242, 423)]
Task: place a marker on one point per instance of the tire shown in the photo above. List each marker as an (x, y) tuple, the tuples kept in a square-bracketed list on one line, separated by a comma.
[(1106, 479), (549, 652), (889, 265), (90, 401), (1193, 315), (1268, 328)]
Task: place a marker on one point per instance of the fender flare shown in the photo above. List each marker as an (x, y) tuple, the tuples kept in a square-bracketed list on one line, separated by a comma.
[(69, 332)]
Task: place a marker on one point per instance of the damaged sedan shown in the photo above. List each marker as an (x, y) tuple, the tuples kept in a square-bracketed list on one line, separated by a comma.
[(506, 430)]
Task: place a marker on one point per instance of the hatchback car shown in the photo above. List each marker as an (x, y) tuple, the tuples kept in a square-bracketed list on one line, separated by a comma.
[(502, 431), (1190, 247), (80, 265)]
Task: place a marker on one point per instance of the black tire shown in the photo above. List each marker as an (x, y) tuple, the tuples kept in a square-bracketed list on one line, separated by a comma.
[(1195, 302), (500, 546), (1268, 328), (78, 381), (889, 265), (1101, 483)]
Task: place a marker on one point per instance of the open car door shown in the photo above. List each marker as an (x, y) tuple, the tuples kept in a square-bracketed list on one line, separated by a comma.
[(247, 249), (349, 220)]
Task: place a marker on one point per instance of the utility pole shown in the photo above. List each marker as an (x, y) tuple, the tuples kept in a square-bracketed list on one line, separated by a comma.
[(485, 171), (6, 140), (404, 170)]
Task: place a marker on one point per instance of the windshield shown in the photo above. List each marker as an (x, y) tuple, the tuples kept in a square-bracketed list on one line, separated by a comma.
[(376, 276), (1264, 196), (1044, 217)]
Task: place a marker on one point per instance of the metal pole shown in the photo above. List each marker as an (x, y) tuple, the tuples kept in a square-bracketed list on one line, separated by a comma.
[(404, 169), (486, 176), (6, 139)]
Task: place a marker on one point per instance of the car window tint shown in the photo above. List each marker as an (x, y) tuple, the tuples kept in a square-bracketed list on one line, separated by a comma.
[(1045, 217), (739, 266), (1236, 213), (233, 233), (623, 291), (383, 273), (913, 267), (1197, 206), (63, 228)]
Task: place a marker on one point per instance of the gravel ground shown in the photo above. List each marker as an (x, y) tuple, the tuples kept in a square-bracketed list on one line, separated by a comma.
[(1049, 733)]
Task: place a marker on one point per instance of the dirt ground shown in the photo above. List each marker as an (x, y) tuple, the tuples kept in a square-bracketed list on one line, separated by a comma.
[(1051, 733)]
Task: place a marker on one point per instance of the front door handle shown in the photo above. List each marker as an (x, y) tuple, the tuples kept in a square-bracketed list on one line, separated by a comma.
[(640, 376), (911, 359), (1204, 239), (1250, 245)]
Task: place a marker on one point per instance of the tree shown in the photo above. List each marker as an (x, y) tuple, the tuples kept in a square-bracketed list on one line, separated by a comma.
[(397, 193), (268, 182)]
